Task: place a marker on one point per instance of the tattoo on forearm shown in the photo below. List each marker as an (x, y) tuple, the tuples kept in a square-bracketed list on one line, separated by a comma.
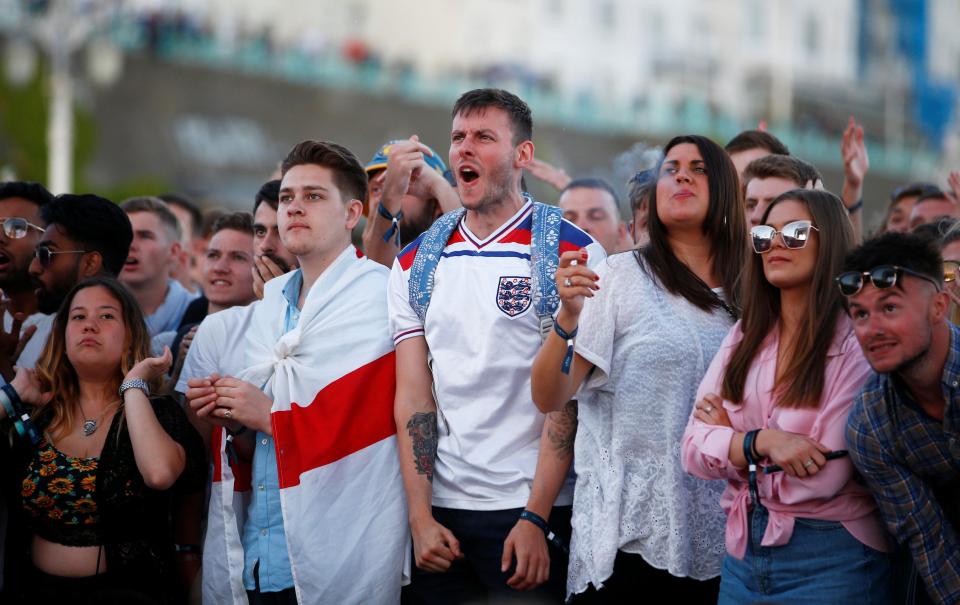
[(423, 431), (563, 428)]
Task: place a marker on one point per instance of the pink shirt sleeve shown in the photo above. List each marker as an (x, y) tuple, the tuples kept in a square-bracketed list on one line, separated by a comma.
[(705, 449), (845, 373)]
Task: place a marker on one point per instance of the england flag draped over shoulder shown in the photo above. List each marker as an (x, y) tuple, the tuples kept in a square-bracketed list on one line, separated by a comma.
[(332, 381)]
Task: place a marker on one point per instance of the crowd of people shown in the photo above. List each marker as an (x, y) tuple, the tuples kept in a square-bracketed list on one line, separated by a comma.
[(734, 396)]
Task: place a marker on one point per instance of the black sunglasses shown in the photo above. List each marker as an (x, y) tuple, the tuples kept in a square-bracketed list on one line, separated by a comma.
[(45, 255), (882, 277), (794, 236)]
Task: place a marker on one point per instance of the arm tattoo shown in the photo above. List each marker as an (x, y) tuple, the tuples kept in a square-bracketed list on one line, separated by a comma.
[(423, 431), (563, 429)]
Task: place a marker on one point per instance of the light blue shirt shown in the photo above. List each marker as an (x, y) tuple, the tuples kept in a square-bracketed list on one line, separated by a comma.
[(264, 539), (168, 315)]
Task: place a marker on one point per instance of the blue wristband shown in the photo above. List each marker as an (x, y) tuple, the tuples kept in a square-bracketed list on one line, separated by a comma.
[(857, 206), (8, 405), (394, 230), (542, 524), (568, 336)]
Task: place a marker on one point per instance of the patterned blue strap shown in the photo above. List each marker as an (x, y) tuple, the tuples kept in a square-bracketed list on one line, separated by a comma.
[(544, 248), (544, 259), (427, 258)]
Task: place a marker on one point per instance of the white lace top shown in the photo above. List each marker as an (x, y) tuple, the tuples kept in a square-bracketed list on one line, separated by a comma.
[(650, 349)]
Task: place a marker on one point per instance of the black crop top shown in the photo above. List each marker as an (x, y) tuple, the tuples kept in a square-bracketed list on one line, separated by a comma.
[(58, 497)]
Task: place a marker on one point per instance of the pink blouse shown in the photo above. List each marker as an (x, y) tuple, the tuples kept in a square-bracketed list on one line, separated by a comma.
[(833, 494)]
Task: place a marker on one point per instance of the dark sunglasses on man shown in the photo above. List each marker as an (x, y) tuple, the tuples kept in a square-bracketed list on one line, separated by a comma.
[(794, 236), (45, 255), (882, 277), (15, 227)]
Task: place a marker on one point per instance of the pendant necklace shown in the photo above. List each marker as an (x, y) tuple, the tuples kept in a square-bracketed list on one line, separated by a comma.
[(90, 425)]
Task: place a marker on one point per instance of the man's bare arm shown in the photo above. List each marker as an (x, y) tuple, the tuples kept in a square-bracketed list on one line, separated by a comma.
[(415, 412)]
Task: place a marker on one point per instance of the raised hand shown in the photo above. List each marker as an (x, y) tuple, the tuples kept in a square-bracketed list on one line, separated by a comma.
[(575, 281), (405, 165), (27, 386), (853, 151), (548, 173), (151, 367), (12, 342), (264, 269)]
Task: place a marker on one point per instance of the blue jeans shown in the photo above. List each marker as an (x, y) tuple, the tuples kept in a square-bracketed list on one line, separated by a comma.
[(822, 563)]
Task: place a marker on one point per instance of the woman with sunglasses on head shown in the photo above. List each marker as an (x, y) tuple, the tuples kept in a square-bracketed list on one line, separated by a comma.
[(95, 457), (646, 328), (779, 393)]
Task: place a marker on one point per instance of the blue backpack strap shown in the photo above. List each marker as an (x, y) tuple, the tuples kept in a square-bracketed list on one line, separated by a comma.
[(544, 259), (427, 258)]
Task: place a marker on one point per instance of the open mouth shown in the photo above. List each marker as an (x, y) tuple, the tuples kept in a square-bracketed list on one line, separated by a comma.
[(468, 175), (220, 283), (131, 264), (4, 260)]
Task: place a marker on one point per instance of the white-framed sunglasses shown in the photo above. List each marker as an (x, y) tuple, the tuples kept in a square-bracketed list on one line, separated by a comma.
[(794, 236), (16, 227)]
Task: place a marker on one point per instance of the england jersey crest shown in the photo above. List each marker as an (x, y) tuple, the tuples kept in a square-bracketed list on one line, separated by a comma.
[(513, 295)]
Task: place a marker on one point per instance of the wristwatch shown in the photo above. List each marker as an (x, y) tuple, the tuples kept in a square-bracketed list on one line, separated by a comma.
[(136, 383)]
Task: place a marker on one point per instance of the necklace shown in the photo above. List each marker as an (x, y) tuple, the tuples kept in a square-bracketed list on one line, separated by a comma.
[(90, 425)]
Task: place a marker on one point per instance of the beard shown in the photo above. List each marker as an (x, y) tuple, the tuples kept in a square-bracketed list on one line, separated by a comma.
[(50, 298), (497, 187)]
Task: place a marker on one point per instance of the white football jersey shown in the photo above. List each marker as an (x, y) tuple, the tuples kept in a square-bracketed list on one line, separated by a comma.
[(483, 334)]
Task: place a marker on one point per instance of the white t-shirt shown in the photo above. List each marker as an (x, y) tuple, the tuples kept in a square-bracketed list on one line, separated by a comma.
[(483, 334), (217, 346), (650, 350)]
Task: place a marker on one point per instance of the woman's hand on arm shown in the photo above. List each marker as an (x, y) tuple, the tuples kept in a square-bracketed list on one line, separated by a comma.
[(552, 388), (797, 455)]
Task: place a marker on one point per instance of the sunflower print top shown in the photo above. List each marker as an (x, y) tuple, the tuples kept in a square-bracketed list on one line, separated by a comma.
[(58, 496)]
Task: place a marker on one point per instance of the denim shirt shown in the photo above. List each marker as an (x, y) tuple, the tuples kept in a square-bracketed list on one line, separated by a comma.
[(264, 539)]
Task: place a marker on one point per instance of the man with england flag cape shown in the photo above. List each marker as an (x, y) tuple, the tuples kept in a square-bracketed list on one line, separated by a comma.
[(313, 412)]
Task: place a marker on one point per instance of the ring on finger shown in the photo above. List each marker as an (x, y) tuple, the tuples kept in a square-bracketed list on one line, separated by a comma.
[(567, 282), (708, 408), (808, 463), (228, 414)]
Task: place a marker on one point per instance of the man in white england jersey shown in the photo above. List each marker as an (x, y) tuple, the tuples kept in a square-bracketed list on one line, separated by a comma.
[(485, 475)]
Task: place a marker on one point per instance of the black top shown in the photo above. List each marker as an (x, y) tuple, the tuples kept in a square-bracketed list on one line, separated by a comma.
[(134, 519)]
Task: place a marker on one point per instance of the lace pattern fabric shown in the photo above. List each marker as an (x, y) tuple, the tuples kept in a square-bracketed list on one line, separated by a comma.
[(650, 350)]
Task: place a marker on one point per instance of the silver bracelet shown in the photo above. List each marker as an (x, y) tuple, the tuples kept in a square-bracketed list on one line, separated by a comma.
[(136, 383)]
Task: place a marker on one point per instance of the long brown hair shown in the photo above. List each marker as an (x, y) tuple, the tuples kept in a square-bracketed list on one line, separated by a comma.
[(802, 382), (724, 226), (58, 376)]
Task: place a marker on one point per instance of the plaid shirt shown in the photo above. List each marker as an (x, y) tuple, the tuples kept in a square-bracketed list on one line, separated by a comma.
[(911, 463)]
